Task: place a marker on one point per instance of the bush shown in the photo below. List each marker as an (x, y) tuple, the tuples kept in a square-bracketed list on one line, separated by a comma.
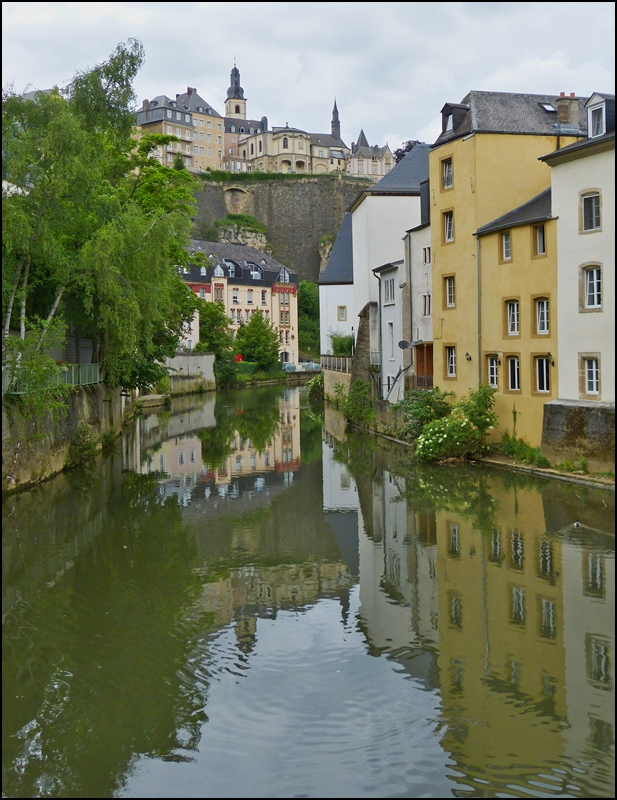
[(244, 221), (342, 345), (246, 367), (315, 387), (522, 451), (420, 408), (82, 448), (356, 407)]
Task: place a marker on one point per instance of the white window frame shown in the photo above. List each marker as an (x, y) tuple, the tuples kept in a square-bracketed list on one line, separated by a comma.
[(506, 246), (543, 378), (234, 296), (595, 211), (514, 318), (542, 318), (451, 361), (592, 375), (249, 297), (448, 226), (592, 118), (493, 371), (450, 292), (426, 304), (202, 270), (540, 240), (593, 287), (447, 173), (426, 255), (514, 373), (388, 286)]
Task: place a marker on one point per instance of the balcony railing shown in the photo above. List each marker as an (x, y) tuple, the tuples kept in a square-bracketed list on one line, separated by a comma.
[(336, 363), (69, 375)]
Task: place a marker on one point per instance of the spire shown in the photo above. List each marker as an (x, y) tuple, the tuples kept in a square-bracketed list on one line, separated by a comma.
[(336, 125), (235, 90), (362, 141)]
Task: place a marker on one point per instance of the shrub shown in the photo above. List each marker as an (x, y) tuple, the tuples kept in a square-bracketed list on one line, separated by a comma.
[(82, 448), (342, 345), (356, 406), (522, 451), (420, 408), (315, 387)]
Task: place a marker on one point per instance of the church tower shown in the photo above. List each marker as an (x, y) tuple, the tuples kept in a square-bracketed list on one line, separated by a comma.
[(336, 125), (235, 105)]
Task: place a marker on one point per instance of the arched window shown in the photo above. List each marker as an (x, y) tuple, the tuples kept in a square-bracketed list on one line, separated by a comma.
[(218, 271), (252, 148), (241, 130), (260, 147), (203, 270), (233, 129), (285, 143), (237, 109)]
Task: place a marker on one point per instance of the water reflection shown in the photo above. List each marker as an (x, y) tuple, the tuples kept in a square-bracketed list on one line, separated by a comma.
[(247, 601)]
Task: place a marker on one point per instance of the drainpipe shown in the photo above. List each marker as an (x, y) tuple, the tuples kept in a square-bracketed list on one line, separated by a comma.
[(379, 326), (479, 268)]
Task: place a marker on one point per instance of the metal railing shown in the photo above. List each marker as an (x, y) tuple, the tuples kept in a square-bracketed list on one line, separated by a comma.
[(336, 363), (69, 375)]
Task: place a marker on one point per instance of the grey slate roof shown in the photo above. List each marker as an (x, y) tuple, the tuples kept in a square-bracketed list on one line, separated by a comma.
[(586, 144), (534, 210), (247, 124), (505, 112), (407, 175), (191, 101), (327, 140), (339, 268), (239, 253)]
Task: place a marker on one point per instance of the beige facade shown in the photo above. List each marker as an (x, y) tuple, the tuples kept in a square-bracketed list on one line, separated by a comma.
[(165, 116)]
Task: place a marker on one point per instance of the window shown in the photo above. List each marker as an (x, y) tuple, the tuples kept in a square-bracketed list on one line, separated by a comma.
[(218, 271), (181, 457), (246, 315), (493, 371), (513, 318), (341, 313), (391, 340), (539, 240), (448, 226), (178, 115), (506, 246), (202, 293), (263, 297), (321, 154), (209, 152), (195, 150), (285, 143), (514, 374), (592, 375), (448, 122), (450, 292), (426, 255), (451, 362), (178, 131), (202, 270), (234, 296), (187, 148), (542, 374), (169, 129), (249, 297), (455, 541), (591, 212), (170, 158), (388, 288), (596, 121), (218, 294), (518, 606), (169, 115), (447, 173), (426, 305), (542, 317), (593, 287)]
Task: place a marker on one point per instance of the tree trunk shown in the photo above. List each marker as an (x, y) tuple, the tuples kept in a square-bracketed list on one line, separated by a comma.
[(50, 316), (22, 313), (9, 309)]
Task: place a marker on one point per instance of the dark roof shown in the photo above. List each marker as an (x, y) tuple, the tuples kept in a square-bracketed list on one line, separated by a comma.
[(569, 153), (245, 123), (327, 140), (407, 175), (191, 101), (505, 112), (534, 210), (339, 268), (389, 265), (240, 254), (362, 140)]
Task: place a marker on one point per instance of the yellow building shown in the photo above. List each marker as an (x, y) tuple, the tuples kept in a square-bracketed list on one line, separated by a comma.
[(165, 116), (246, 280), (208, 131), (483, 165), (518, 262)]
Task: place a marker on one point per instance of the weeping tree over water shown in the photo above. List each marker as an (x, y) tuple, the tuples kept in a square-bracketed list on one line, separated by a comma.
[(94, 229)]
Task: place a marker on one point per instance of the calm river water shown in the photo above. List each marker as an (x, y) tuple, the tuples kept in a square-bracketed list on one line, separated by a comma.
[(243, 602)]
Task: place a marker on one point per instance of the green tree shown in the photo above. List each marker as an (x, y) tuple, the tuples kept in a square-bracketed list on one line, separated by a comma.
[(258, 341), (215, 337), (308, 317), (94, 229)]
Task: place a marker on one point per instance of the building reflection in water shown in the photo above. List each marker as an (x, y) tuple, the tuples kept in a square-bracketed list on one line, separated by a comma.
[(479, 590)]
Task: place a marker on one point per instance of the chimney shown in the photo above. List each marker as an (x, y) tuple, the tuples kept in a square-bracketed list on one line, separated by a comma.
[(190, 89), (567, 109), (146, 105)]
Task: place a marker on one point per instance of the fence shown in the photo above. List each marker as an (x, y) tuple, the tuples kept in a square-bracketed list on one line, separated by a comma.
[(336, 363), (69, 375)]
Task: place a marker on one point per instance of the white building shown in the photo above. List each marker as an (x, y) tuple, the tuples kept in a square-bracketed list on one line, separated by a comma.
[(381, 216), (583, 198), (336, 292), (391, 279)]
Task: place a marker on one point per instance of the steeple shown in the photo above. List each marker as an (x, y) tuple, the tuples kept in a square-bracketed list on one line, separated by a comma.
[(235, 105), (336, 125)]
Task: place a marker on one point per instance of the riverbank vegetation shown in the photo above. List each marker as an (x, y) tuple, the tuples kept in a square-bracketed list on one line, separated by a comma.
[(94, 229)]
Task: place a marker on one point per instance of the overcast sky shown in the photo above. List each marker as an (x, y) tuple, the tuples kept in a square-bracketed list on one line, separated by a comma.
[(391, 66)]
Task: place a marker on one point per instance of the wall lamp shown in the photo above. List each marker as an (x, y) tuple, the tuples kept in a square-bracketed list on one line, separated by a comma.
[(495, 356), (467, 356), (549, 358)]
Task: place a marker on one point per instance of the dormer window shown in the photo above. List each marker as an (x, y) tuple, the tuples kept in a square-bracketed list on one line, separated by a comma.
[(241, 130), (232, 128), (218, 271), (202, 271), (283, 276), (596, 121), (448, 122)]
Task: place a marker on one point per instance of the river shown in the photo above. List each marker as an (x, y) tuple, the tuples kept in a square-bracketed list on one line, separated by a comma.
[(245, 601)]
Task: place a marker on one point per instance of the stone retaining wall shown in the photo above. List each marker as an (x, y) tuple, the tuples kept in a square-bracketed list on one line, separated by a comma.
[(574, 429)]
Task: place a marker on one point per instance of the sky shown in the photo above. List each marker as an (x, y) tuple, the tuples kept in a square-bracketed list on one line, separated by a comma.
[(391, 66)]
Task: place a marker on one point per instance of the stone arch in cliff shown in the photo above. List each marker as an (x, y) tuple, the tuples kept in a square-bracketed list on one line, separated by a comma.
[(236, 200)]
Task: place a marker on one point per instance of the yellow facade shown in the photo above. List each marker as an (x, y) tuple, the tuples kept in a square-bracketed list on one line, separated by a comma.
[(491, 174), (526, 283), (208, 147)]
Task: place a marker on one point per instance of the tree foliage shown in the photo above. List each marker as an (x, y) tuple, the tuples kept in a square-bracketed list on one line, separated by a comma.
[(215, 337), (405, 148), (258, 341), (308, 317), (94, 228)]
